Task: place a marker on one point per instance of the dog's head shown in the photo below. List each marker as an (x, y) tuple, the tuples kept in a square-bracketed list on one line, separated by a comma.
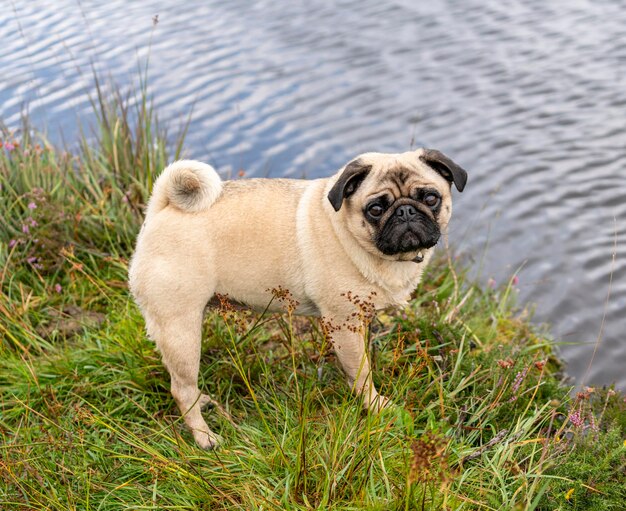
[(397, 205)]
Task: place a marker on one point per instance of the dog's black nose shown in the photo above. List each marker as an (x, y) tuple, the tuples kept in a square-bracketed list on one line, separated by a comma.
[(406, 212)]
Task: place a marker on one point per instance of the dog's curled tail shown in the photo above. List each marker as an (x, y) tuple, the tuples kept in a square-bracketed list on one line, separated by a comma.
[(188, 185)]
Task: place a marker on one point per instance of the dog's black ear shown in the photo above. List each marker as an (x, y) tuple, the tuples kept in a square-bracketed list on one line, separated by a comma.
[(352, 176), (446, 167)]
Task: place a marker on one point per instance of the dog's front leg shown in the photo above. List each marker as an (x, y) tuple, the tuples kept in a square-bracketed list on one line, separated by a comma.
[(351, 350)]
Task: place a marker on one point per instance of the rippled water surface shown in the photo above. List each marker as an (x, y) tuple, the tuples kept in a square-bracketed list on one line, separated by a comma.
[(529, 96)]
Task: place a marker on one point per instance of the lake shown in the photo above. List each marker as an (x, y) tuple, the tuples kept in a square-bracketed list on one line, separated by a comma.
[(530, 97)]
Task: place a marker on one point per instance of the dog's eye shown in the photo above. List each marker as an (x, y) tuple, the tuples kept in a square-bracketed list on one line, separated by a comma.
[(432, 200), (375, 210)]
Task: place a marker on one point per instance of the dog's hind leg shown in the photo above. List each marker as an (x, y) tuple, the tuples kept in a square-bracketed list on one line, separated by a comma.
[(179, 339)]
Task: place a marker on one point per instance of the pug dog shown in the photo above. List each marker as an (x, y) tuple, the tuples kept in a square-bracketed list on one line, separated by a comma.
[(368, 231)]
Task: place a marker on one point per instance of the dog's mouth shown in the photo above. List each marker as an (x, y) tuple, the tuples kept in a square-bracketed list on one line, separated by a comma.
[(409, 241)]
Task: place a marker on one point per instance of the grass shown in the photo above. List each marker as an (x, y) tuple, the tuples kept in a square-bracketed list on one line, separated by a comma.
[(482, 420)]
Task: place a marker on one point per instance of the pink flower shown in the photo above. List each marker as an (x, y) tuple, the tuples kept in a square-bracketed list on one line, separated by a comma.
[(32, 205), (9, 146), (12, 243), (576, 418), (33, 222), (519, 378), (25, 229), (58, 288), (491, 283), (515, 280)]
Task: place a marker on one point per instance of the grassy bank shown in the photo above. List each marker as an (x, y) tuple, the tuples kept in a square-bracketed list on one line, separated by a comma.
[(87, 422)]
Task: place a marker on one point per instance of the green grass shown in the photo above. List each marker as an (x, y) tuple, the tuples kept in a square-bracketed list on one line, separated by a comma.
[(482, 420)]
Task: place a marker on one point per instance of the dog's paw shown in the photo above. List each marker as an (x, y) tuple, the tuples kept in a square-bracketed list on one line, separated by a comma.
[(378, 403), (207, 439)]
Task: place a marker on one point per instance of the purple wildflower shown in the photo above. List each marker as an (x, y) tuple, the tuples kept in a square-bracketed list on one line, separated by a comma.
[(32, 205), (33, 222), (25, 229), (519, 378), (31, 260), (9, 146), (58, 288), (576, 418), (12, 243)]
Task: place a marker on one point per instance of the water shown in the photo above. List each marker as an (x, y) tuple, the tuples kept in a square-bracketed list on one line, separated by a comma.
[(530, 97)]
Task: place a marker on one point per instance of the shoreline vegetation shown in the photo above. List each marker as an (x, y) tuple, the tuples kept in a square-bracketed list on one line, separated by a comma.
[(483, 419)]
